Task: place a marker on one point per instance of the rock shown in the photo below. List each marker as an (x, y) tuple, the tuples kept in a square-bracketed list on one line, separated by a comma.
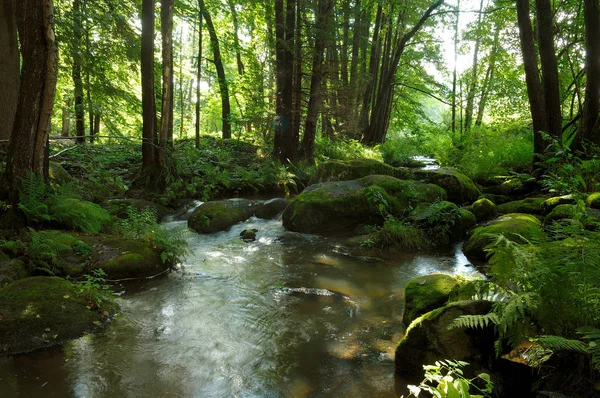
[(122, 258), (271, 208), (513, 186), (344, 170), (527, 206), (428, 292), (497, 199), (220, 215), (248, 235), (118, 207), (549, 204), (343, 205), (593, 200), (428, 339), (591, 220), (459, 187), (561, 212), (43, 311), (12, 270), (58, 175), (495, 176), (521, 228), (483, 209)]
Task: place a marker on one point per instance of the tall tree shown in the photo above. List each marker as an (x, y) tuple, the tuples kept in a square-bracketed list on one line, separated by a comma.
[(236, 38), (149, 128), (76, 71), (165, 135), (198, 80), (9, 69), (589, 127), (473, 82), (28, 151), (454, 71), (218, 61)]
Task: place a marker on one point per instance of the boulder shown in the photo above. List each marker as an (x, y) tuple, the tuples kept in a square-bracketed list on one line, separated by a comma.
[(483, 209), (11, 270), (43, 311), (527, 206), (593, 200), (343, 205), (459, 187), (344, 170), (271, 208), (58, 175), (561, 212), (118, 207), (513, 186), (497, 199), (428, 292), (428, 339), (549, 204), (521, 228), (248, 235), (220, 215)]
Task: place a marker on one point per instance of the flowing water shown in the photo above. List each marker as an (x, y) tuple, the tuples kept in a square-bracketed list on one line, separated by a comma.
[(288, 315)]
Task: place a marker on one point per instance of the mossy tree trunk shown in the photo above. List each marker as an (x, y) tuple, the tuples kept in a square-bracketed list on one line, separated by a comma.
[(9, 69)]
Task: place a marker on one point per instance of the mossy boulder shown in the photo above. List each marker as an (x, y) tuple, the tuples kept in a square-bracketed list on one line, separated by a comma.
[(343, 205), (122, 258), (521, 228), (270, 208), (561, 212), (497, 199), (549, 204), (483, 209), (58, 175), (12, 270), (344, 170), (118, 207), (513, 186), (428, 340), (220, 215), (41, 312), (527, 206), (248, 235), (426, 293), (593, 200), (459, 187)]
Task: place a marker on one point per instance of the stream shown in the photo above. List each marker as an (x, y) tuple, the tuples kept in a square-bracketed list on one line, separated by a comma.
[(288, 315)]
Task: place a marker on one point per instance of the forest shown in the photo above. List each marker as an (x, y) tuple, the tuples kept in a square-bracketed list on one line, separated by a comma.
[(300, 198)]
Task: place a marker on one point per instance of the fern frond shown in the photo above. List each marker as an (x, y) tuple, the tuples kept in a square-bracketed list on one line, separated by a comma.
[(558, 343), (474, 321)]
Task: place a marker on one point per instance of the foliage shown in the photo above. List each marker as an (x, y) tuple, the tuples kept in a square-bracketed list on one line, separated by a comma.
[(80, 215), (95, 289), (446, 379), (402, 235), (32, 196), (142, 225), (343, 148), (46, 249)]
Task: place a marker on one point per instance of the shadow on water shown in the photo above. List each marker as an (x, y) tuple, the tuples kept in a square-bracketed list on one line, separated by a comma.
[(288, 315)]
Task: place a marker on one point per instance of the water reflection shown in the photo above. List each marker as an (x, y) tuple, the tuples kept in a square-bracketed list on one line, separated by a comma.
[(235, 323)]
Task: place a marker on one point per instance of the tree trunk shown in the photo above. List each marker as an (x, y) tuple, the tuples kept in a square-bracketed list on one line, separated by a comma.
[(149, 138), (489, 78), (28, 152), (166, 118), (198, 80), (454, 72), (532, 77), (9, 65), (591, 106), (297, 98), (96, 124), (550, 83), (323, 12), (66, 118), (236, 39), (473, 86), (223, 87), (76, 73)]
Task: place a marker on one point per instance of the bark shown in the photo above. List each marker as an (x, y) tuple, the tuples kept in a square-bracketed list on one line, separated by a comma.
[(96, 124), (223, 87), (591, 106), (236, 39), (166, 114), (28, 152), (372, 77), (9, 67), (66, 118), (549, 66), (473, 85), (76, 73), (353, 83), (323, 13), (198, 80), (149, 141), (345, 43), (297, 98), (532, 76)]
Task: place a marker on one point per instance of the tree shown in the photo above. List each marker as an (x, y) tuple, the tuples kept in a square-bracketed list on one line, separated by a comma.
[(28, 152), (589, 127), (198, 80), (76, 71), (165, 136), (149, 127), (9, 69)]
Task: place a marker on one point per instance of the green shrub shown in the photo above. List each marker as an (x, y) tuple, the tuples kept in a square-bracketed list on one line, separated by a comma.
[(398, 234), (46, 249), (80, 215)]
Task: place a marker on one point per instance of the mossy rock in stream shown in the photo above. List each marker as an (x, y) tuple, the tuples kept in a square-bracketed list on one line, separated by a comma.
[(483, 209), (521, 228), (43, 311), (343, 205), (271, 208), (593, 200), (428, 292), (344, 170), (459, 187), (220, 215), (527, 206), (549, 204), (428, 340)]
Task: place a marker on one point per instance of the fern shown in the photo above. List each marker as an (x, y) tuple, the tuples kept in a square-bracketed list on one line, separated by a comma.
[(474, 321), (46, 248), (80, 215), (32, 195), (558, 343)]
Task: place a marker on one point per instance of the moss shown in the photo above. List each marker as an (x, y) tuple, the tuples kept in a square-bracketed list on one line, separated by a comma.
[(521, 228), (40, 312), (344, 170), (497, 199), (427, 293), (220, 215), (528, 206), (483, 209), (118, 207), (58, 175), (549, 204), (11, 270), (593, 200), (561, 212), (459, 187)]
